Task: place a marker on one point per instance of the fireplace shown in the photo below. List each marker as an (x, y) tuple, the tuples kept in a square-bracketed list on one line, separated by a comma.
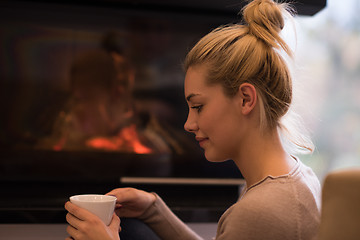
[(54, 144), (47, 156)]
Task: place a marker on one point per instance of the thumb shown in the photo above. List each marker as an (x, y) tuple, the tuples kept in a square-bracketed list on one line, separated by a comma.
[(115, 223)]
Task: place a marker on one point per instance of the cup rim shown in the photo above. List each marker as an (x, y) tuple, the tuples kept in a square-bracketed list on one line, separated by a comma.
[(104, 198)]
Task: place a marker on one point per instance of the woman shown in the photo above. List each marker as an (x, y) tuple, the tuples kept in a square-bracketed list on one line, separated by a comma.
[(238, 89)]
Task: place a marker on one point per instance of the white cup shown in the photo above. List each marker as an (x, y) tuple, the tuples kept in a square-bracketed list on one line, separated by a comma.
[(102, 206)]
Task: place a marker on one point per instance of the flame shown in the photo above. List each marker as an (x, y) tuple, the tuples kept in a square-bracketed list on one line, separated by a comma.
[(126, 140)]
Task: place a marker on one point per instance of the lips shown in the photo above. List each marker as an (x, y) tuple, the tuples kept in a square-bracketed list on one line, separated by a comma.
[(201, 140)]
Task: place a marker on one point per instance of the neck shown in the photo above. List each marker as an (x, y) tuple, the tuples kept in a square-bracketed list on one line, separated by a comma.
[(263, 155)]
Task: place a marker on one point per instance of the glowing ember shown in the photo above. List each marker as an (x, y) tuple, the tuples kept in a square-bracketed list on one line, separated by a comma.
[(59, 145), (127, 140)]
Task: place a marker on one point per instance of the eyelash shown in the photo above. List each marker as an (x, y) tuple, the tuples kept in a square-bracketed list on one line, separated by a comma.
[(198, 108)]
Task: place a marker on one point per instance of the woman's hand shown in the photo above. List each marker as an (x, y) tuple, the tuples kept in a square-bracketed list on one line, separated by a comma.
[(86, 226), (132, 202)]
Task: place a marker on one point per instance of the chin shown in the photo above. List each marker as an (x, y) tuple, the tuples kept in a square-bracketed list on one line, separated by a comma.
[(214, 158)]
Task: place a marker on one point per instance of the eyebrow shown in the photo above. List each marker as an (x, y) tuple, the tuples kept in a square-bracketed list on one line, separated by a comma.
[(188, 98)]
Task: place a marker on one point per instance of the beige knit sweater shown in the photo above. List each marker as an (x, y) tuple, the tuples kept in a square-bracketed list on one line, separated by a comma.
[(281, 207)]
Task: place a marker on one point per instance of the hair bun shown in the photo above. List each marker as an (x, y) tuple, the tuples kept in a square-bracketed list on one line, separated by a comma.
[(265, 21)]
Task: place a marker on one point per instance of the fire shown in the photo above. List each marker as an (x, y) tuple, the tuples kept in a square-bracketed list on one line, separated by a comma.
[(126, 140)]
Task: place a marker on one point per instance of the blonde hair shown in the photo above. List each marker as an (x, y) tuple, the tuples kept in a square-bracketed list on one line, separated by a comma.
[(250, 52)]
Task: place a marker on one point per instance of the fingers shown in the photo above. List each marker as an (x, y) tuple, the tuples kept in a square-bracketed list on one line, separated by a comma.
[(73, 217), (74, 210), (115, 223), (86, 225), (124, 195), (78, 212), (72, 232), (73, 221), (132, 202), (116, 192)]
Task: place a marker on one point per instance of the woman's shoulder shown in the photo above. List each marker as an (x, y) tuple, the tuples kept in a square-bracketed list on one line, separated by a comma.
[(274, 194), (276, 205), (261, 216), (266, 211)]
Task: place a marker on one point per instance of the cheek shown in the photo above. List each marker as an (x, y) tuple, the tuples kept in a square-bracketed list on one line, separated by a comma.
[(207, 122), (212, 126), (224, 129)]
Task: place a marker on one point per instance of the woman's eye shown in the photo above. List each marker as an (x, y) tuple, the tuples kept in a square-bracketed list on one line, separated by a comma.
[(198, 107)]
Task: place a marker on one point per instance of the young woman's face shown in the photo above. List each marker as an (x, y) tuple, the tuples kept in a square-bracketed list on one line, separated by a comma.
[(213, 117)]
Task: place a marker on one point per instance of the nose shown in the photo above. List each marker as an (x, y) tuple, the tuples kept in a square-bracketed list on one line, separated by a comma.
[(190, 124)]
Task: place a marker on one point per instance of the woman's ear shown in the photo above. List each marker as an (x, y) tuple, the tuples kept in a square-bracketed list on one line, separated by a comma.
[(247, 93)]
